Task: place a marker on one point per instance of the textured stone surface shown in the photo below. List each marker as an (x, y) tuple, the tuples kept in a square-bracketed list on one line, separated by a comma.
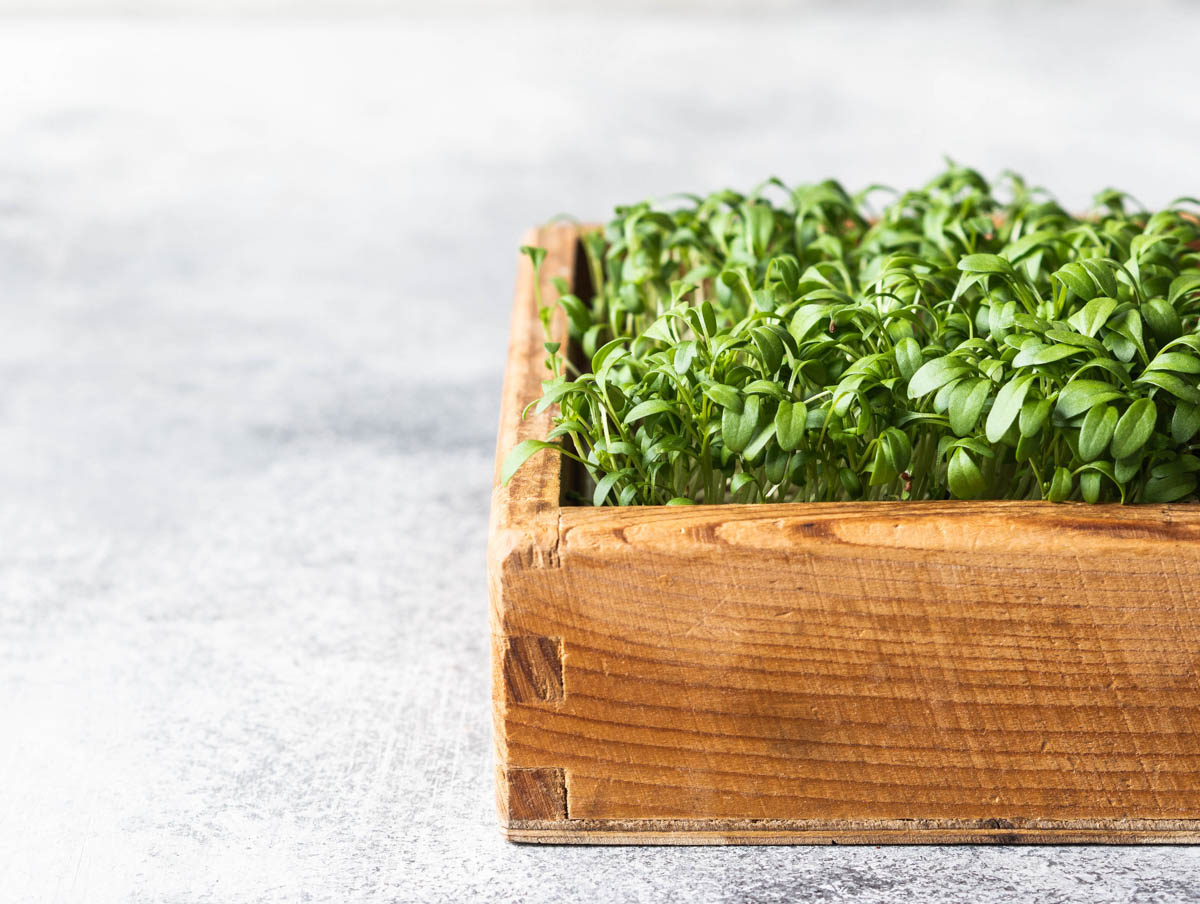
[(254, 285)]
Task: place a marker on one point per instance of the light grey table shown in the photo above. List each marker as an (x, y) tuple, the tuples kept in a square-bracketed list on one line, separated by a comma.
[(254, 287)]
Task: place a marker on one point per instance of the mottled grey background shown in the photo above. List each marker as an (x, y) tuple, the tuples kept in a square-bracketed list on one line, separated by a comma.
[(254, 285)]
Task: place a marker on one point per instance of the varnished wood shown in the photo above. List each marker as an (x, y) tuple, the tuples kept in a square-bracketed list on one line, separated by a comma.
[(868, 672)]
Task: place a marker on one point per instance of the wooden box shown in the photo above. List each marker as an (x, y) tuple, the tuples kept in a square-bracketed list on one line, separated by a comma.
[(833, 673)]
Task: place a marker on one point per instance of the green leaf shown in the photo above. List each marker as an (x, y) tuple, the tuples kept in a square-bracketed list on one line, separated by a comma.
[(1102, 274), (760, 442), (1043, 354), (1034, 415), (1032, 324), (577, 313), (1192, 341), (1092, 316), (1007, 406), (1077, 279), (1184, 464), (1171, 384), (520, 454), (846, 393), (725, 396), (770, 348), (1061, 485), (1078, 339), (1183, 285), (1162, 319), (935, 374), (591, 337), (966, 404), (765, 387), (790, 422), (1120, 345), (1096, 431), (1000, 318), (740, 481), (964, 477), (738, 428), (941, 399), (882, 469), (615, 397), (681, 288), (1179, 362), (966, 282), (1131, 327), (612, 349), (908, 357), (735, 278), (1028, 243), (535, 254), (685, 353), (786, 269), (970, 443), (1079, 395), (631, 298), (850, 482), (1027, 446), (1125, 469), (807, 318), (605, 485), (760, 224), (898, 447), (1109, 366), (1185, 422), (984, 263), (617, 447), (1089, 486), (1134, 428), (776, 464), (1169, 489), (660, 330), (650, 406)]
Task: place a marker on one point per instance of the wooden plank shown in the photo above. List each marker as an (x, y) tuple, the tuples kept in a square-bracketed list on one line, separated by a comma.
[(869, 672), (523, 537)]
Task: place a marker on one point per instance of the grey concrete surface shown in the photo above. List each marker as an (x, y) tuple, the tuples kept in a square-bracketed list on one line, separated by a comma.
[(254, 285)]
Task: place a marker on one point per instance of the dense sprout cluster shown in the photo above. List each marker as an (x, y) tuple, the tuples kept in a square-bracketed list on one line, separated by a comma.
[(788, 345)]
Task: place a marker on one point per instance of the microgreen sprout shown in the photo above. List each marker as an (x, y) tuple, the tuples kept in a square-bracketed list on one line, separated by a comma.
[(786, 345)]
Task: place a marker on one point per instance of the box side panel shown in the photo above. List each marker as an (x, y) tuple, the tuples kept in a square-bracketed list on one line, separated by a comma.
[(524, 533), (981, 667)]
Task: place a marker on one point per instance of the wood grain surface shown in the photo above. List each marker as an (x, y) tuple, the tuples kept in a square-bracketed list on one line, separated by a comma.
[(860, 672)]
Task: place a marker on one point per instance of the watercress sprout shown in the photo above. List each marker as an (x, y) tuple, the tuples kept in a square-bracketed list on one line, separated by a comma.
[(968, 341)]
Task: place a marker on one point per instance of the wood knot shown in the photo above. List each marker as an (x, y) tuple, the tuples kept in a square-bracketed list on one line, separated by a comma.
[(533, 669)]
